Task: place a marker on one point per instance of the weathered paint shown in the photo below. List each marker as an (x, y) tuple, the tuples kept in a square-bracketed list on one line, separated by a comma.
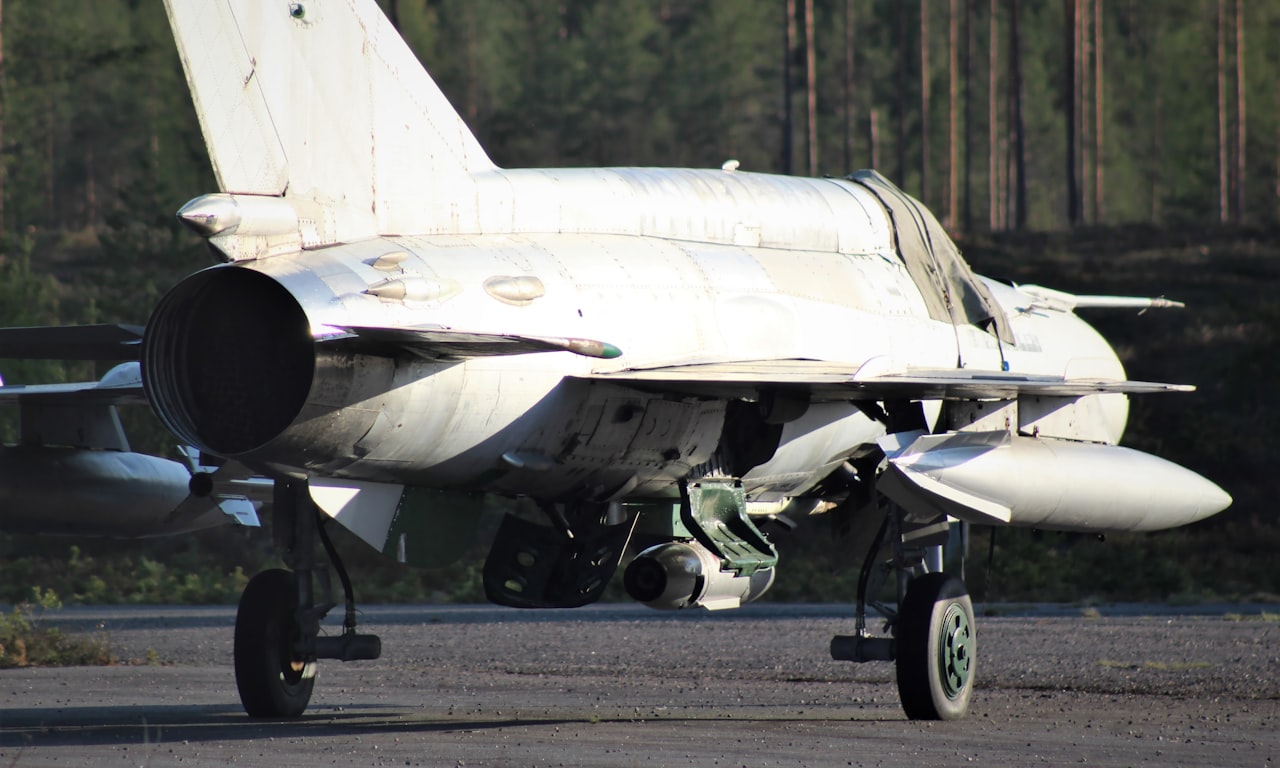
[(403, 223)]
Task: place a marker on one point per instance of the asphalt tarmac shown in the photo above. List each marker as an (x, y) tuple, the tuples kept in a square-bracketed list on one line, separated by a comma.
[(625, 686)]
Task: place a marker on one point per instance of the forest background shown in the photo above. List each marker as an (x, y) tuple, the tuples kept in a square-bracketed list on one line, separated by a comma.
[(1096, 146)]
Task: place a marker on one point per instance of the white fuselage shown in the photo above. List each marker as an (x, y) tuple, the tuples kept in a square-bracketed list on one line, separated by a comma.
[(672, 267)]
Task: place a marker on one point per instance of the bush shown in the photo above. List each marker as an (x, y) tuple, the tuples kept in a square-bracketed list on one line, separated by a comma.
[(25, 643)]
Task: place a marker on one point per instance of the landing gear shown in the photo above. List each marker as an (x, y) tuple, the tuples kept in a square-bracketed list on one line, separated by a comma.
[(273, 679), (934, 643), (277, 640), (936, 648)]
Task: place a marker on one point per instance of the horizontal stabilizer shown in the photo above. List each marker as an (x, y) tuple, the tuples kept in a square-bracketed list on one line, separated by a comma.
[(121, 386), (72, 342), (844, 381), (447, 344)]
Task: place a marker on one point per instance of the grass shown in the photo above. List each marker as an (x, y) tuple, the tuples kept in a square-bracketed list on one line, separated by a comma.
[(25, 642), (1158, 666), (1265, 616), (1176, 666)]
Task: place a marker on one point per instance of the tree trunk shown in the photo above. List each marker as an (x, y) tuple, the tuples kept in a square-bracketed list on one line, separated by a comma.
[(788, 51), (993, 118), (1157, 138), (811, 88), (968, 116), (924, 102), (1097, 112), (848, 86), (471, 28), (1070, 97), (1240, 114), (1083, 82), (90, 190), (1019, 170), (2, 102), (873, 138), (1003, 169), (1223, 180), (900, 98), (953, 140), (1157, 85), (51, 211)]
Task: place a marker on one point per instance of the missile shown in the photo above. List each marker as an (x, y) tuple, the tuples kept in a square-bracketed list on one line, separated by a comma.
[(1006, 479)]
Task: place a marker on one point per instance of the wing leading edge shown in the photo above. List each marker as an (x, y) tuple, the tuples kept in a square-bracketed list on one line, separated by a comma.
[(844, 381), (449, 344)]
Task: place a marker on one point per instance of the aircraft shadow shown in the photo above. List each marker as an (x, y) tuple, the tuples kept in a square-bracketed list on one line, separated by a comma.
[(90, 726), (197, 724)]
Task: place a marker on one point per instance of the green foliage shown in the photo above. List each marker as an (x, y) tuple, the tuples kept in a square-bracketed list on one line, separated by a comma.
[(25, 642), (124, 574), (26, 298), (95, 102), (208, 568)]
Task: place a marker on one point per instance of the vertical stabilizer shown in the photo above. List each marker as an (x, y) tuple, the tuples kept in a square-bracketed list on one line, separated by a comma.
[(321, 101)]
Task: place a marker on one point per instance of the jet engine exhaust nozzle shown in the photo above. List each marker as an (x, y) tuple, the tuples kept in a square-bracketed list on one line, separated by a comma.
[(228, 360)]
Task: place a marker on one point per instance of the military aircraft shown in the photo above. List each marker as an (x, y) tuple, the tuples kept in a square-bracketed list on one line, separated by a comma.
[(658, 359)]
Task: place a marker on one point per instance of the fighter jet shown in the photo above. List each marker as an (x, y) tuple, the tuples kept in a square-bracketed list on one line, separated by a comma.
[(655, 359)]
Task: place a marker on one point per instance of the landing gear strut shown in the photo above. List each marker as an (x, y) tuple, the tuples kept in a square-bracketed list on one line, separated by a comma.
[(277, 640), (934, 644)]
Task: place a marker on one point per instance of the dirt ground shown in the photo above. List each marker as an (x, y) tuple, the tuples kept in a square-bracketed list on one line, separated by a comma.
[(624, 686)]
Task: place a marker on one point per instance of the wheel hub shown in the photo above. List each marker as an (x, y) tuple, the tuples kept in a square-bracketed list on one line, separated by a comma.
[(955, 651)]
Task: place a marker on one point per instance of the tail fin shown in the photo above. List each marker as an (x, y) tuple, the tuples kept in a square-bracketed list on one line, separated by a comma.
[(321, 102)]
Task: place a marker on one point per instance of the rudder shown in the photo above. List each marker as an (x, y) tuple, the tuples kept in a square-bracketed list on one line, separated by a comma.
[(322, 102)]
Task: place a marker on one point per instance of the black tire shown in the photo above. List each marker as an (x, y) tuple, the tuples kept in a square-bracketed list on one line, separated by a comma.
[(936, 648), (271, 680)]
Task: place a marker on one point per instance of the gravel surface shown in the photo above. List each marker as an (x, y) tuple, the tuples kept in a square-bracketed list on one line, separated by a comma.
[(624, 686)]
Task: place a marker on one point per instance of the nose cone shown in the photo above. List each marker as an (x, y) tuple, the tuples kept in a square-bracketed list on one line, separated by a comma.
[(1213, 499)]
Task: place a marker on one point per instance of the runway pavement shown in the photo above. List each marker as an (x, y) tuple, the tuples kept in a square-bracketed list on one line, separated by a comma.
[(625, 686)]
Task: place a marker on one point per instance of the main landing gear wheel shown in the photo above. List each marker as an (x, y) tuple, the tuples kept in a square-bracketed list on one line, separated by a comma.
[(272, 680), (936, 648)]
